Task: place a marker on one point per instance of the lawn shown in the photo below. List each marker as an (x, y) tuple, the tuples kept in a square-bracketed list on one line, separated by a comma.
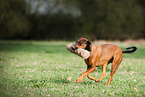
[(46, 68)]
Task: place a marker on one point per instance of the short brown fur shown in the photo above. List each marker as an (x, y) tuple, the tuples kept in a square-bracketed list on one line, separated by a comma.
[(100, 55)]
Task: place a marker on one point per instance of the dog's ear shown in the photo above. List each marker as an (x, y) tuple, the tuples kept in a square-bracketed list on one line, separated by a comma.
[(89, 45)]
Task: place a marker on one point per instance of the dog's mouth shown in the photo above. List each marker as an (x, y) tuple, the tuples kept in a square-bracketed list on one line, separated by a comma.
[(73, 48)]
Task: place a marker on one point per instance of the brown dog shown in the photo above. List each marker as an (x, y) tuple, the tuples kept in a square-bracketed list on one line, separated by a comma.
[(101, 55)]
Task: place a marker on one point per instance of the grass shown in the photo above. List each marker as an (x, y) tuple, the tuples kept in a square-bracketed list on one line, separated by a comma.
[(42, 68)]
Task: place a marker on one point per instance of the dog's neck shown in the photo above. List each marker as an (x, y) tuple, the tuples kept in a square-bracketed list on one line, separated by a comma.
[(96, 47)]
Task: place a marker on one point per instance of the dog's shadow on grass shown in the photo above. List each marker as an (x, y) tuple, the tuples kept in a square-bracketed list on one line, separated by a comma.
[(43, 83), (59, 81), (65, 82)]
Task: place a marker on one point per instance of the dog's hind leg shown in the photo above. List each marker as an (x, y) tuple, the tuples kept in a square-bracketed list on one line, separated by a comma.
[(116, 61)]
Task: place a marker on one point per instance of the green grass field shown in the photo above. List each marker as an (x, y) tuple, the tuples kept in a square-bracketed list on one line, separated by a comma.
[(42, 68)]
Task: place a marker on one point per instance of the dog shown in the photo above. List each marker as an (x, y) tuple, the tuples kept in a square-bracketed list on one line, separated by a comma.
[(101, 55)]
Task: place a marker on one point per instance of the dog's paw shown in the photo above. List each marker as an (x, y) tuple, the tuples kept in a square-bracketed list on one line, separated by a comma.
[(79, 80), (97, 80)]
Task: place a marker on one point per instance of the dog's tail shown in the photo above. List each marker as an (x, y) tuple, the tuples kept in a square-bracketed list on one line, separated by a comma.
[(130, 49)]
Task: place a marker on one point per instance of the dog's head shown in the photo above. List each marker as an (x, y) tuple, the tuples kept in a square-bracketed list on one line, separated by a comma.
[(83, 43)]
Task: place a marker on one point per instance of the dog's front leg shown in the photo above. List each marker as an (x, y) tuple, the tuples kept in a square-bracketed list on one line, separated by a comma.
[(85, 73), (104, 73), (91, 77)]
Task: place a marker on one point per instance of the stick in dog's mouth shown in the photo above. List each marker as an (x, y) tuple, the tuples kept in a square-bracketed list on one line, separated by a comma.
[(79, 51)]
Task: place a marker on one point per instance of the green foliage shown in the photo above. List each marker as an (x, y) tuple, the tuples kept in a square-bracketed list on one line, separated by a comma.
[(63, 19), (112, 19), (41, 68), (13, 19)]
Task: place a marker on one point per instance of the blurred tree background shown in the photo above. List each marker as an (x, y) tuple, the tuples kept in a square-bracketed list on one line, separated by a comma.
[(71, 19)]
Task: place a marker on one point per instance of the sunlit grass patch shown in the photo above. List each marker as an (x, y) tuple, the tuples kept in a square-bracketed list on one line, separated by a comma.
[(48, 69)]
